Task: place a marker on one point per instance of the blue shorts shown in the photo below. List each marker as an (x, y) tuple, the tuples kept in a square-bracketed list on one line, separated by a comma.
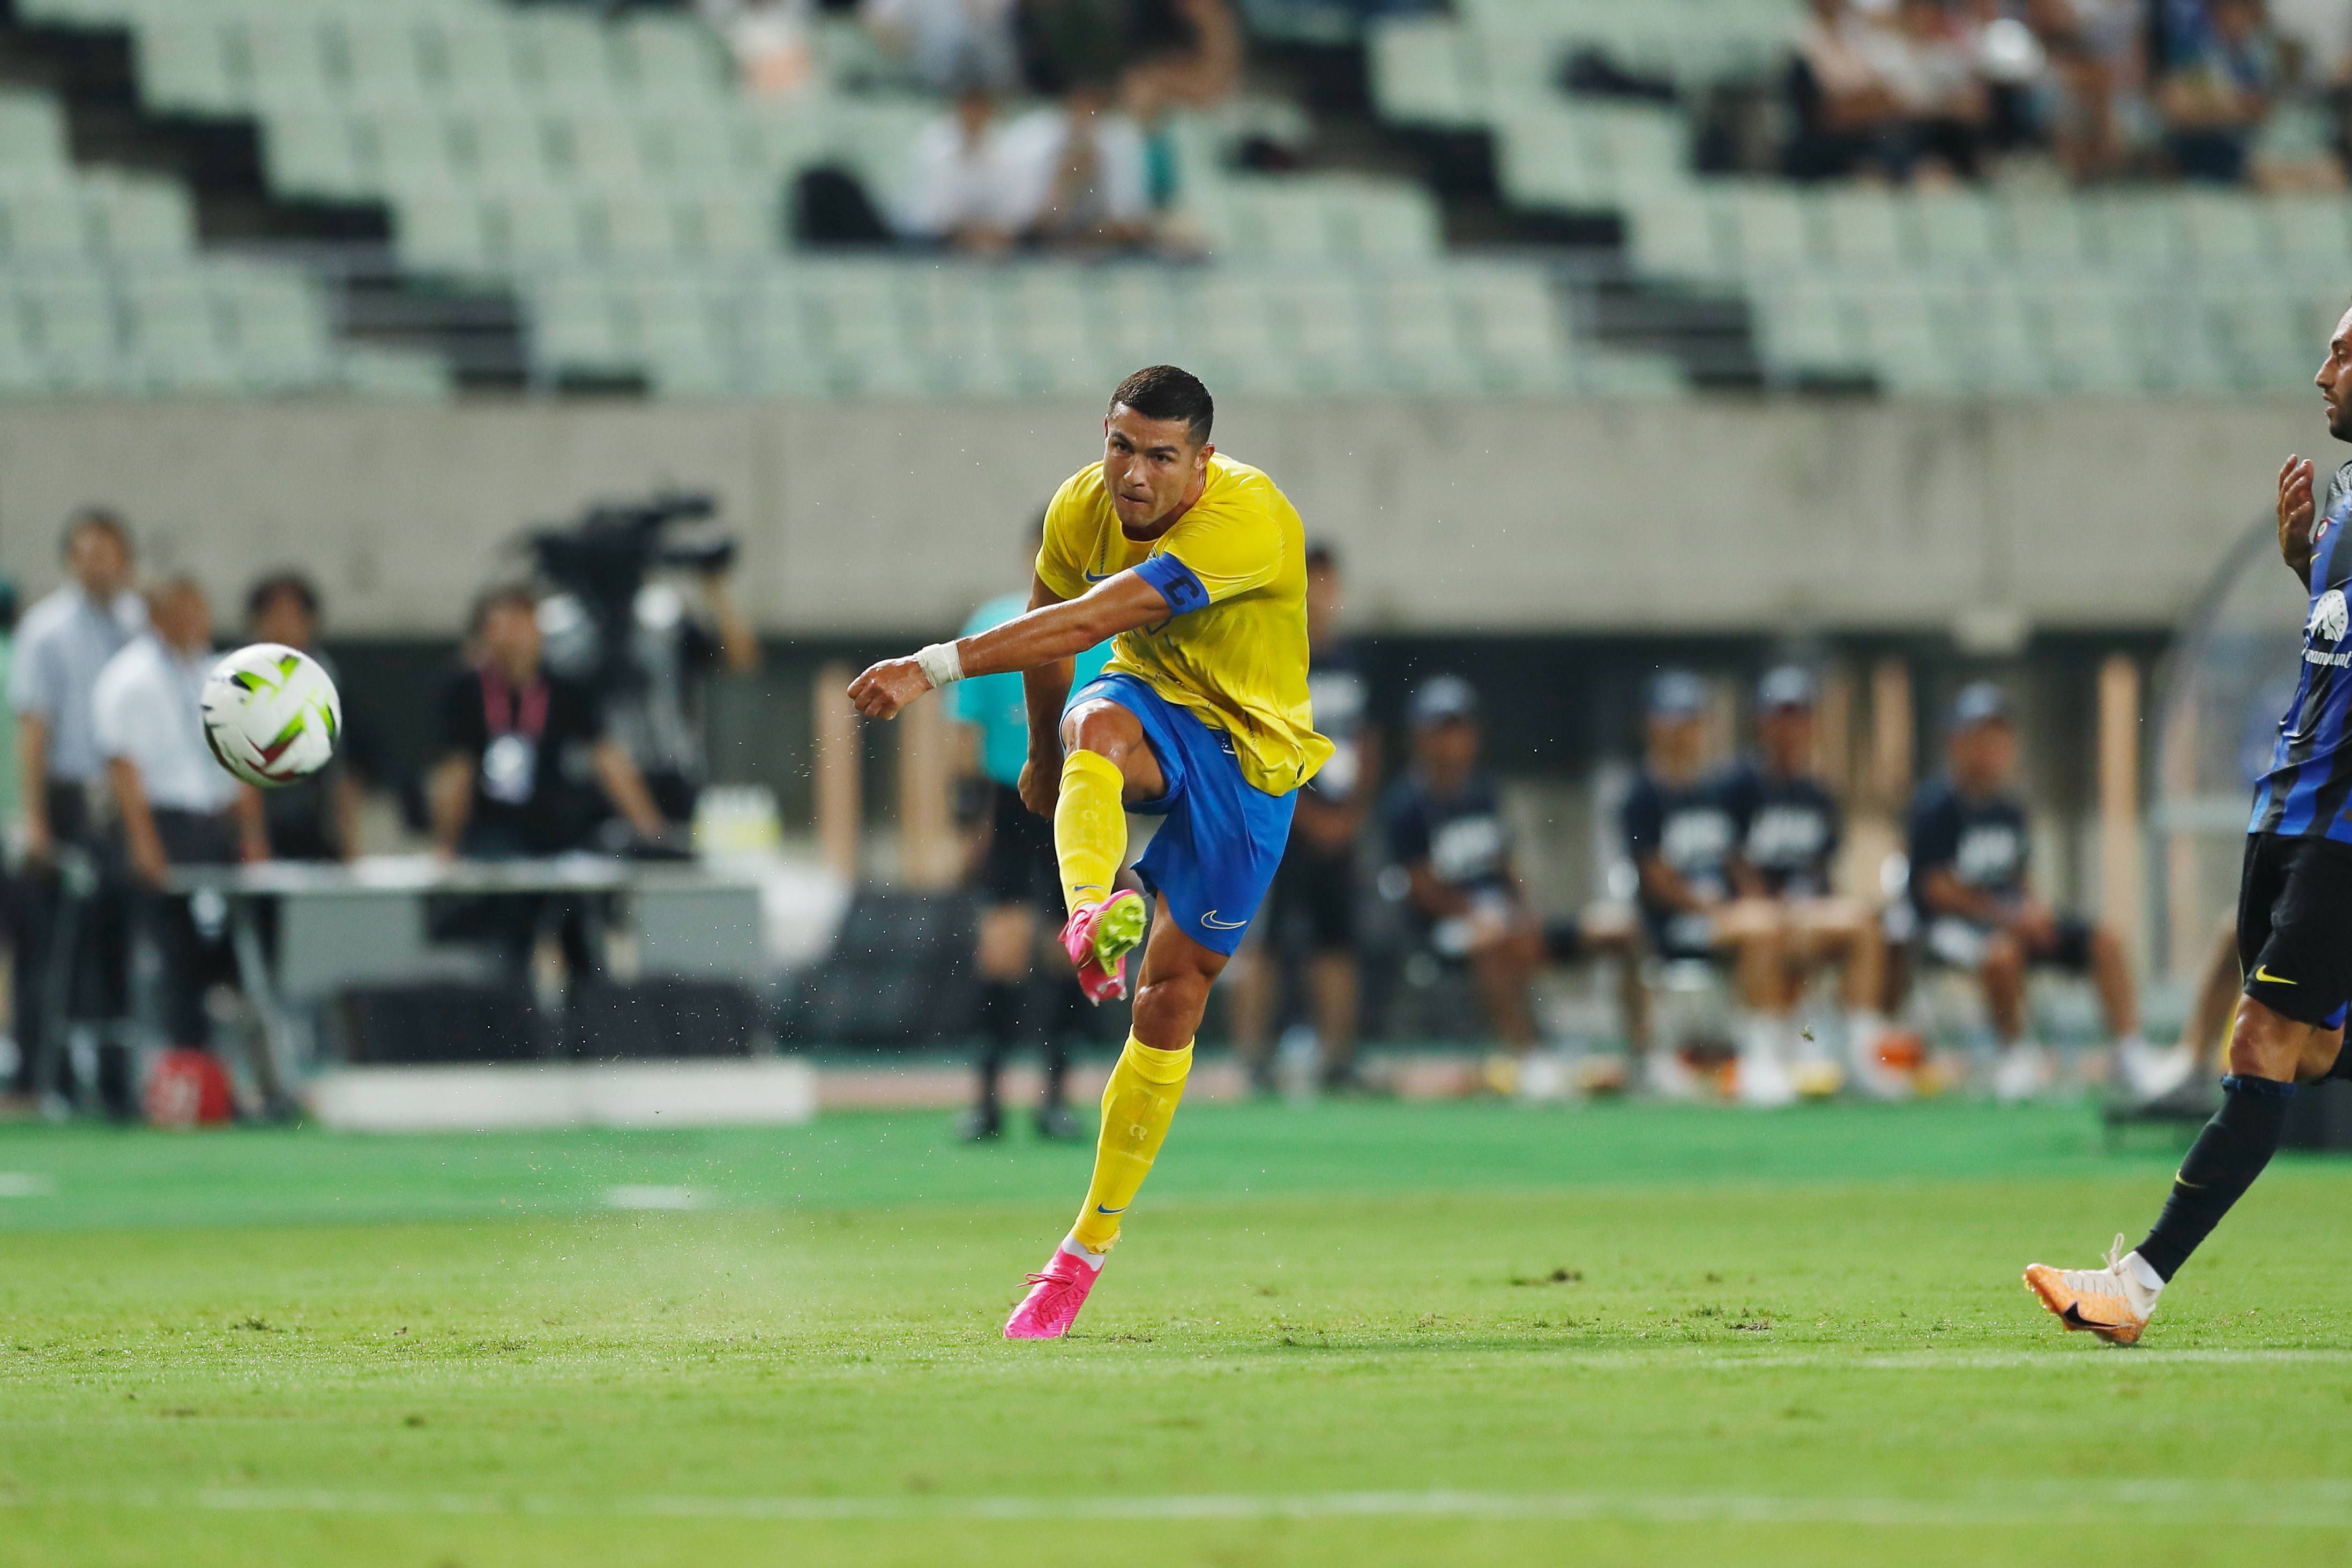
[(1215, 853)]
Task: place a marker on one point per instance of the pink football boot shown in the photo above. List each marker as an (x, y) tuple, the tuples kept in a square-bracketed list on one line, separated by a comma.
[(1053, 1299), (1099, 938)]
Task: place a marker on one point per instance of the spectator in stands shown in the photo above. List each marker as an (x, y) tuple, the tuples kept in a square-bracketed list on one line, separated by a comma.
[(1447, 834), (1683, 840), (1310, 929), (960, 191), (1076, 174), (2221, 75), (1843, 106), (1969, 853), (64, 642), (1786, 825), (1020, 887), (949, 44), (770, 41), (316, 818), (175, 805), (2094, 49), (519, 744), (1193, 60), (1930, 63)]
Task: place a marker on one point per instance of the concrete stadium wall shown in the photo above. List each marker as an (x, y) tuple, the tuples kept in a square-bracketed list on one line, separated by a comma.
[(1713, 516)]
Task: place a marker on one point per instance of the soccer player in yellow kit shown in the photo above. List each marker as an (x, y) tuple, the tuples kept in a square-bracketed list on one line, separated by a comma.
[(1197, 566)]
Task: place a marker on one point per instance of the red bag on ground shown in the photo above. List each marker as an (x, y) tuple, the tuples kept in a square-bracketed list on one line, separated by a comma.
[(188, 1089)]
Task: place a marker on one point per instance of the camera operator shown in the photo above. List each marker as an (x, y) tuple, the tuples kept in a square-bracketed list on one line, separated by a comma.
[(524, 756), (659, 724), (522, 748), (636, 640)]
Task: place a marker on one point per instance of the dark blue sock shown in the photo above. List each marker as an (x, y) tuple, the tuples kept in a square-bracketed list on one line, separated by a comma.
[(2222, 1163)]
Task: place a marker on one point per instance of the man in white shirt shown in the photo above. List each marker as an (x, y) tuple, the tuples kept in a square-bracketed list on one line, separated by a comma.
[(177, 805), (61, 644), (959, 192), (1076, 174)]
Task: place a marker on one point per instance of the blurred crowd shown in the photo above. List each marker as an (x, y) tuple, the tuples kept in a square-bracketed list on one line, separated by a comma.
[(1085, 162), (2220, 91)]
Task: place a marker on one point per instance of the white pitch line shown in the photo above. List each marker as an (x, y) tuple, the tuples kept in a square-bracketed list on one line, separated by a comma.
[(2310, 1505)]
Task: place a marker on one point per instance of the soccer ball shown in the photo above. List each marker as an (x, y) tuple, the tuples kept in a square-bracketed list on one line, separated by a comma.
[(271, 716)]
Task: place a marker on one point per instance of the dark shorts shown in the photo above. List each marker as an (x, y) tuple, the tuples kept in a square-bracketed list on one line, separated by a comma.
[(1312, 905), (1959, 943), (1219, 838), (1019, 868), (2294, 927), (1681, 936)]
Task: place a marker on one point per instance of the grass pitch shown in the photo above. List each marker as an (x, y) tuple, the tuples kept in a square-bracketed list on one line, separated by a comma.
[(1360, 1334)]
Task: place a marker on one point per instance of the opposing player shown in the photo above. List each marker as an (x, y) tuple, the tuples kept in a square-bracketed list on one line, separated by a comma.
[(1197, 566), (2294, 911)]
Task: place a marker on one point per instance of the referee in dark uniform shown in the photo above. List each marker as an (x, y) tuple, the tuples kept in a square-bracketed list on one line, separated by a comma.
[(1013, 872), (2295, 911)]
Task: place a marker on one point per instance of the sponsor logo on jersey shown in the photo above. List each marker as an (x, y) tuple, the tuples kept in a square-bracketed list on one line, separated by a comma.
[(2329, 621)]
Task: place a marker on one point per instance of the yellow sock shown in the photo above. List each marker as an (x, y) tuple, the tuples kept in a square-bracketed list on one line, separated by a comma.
[(1138, 1104), (1090, 827)]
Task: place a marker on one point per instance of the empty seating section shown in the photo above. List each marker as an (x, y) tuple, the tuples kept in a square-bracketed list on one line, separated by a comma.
[(1046, 328), (611, 174), (1960, 293), (1953, 293), (102, 291), (609, 171)]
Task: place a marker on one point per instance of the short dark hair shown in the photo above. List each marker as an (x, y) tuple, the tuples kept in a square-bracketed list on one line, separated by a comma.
[(99, 516), (1321, 556), (258, 598), (516, 594), (1163, 391)]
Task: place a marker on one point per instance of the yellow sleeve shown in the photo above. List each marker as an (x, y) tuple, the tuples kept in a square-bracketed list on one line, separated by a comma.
[(1230, 550), (1061, 555)]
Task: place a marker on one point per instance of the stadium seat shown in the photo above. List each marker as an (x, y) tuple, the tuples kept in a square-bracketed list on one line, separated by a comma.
[(140, 217), (401, 375), (442, 232), (1419, 75), (1865, 228), (32, 132), (1956, 230), (44, 225)]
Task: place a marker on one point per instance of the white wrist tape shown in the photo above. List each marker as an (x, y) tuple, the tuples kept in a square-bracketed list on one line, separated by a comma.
[(941, 664)]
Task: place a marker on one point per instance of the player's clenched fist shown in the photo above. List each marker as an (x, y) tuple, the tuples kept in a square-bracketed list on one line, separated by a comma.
[(888, 686)]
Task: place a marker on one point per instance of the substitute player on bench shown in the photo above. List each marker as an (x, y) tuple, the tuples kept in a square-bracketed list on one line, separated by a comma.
[(1197, 564), (2294, 905)]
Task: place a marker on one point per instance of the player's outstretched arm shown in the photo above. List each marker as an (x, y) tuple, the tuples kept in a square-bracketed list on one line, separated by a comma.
[(2295, 512), (1041, 636)]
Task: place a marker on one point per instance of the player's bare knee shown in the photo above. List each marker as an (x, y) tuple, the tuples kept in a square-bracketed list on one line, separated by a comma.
[(2004, 960), (1101, 727), (2265, 1043)]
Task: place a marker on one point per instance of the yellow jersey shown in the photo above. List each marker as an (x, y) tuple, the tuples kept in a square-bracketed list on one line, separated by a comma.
[(1239, 662)]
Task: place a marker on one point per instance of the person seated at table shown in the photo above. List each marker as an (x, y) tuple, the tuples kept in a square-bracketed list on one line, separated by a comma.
[(519, 746), (175, 805)]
